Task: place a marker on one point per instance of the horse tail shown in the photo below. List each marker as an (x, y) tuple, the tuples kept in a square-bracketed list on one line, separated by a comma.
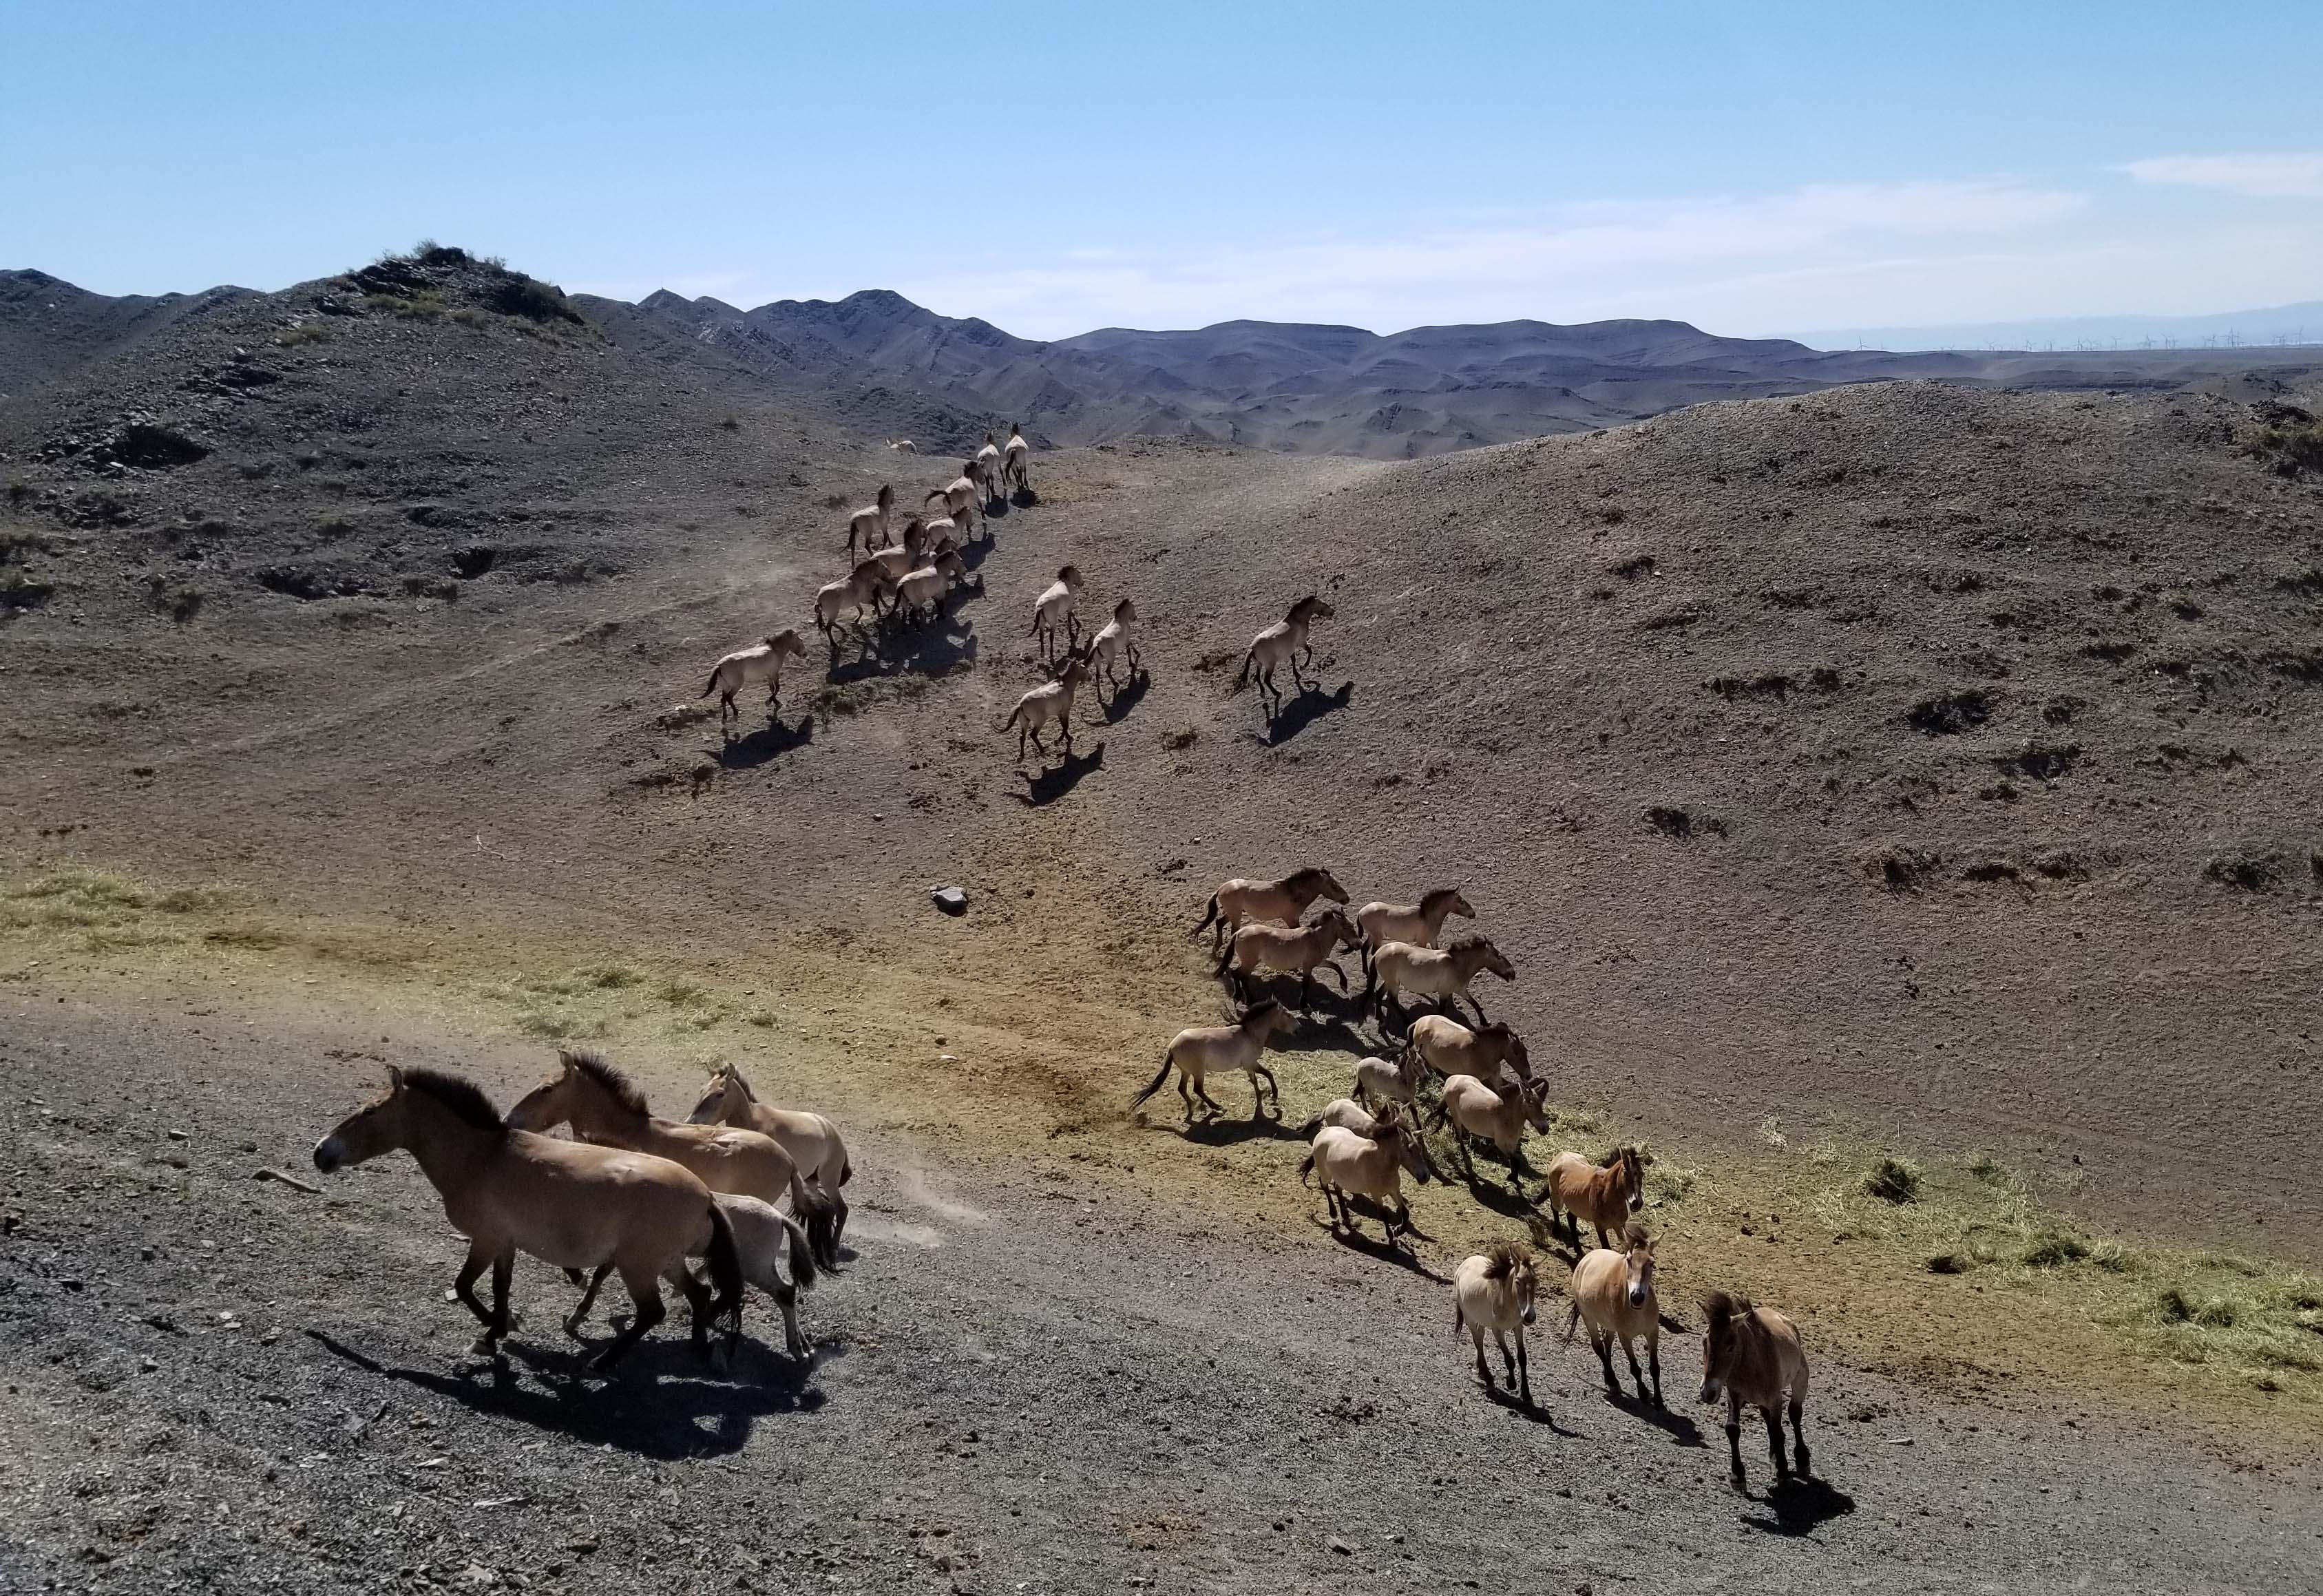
[(816, 1212), (1459, 1318), (1010, 722), (713, 685), (1306, 1167), (1210, 913), (803, 1266), (1572, 1322), (1311, 1127), (725, 1269), (1225, 957), (846, 1168), (1155, 1085), (1243, 675)]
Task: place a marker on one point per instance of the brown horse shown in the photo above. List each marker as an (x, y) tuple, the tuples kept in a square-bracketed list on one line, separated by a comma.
[(605, 1107), (1754, 1355), (1238, 902), (1604, 1194), (1613, 1294), (567, 1203)]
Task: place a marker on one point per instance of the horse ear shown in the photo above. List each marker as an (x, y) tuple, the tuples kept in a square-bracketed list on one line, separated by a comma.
[(395, 1077)]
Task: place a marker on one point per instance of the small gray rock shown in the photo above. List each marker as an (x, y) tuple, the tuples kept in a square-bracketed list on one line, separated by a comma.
[(949, 899)]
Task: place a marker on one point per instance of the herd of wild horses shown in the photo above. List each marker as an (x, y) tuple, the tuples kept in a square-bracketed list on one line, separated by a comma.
[(739, 1183)]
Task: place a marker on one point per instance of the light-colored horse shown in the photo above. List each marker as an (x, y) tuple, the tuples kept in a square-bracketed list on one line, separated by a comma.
[(813, 1141), (1299, 950), (1058, 603), (1114, 640), (1755, 1356), (1013, 458), (1497, 1113), (1447, 1047), (1613, 1294), (569, 1203), (860, 589), (1346, 1166), (760, 1229), (1399, 970), (927, 587), (761, 661), (1605, 1193), (1495, 1290), (1285, 639), (1344, 1113), (963, 498), (871, 522), (1238, 902), (1049, 704), (1419, 924), (604, 1105), (1377, 1080), (1199, 1052)]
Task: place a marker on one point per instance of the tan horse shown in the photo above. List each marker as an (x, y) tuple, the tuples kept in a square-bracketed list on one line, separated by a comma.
[(1199, 1052), (1058, 605), (1496, 1290), (870, 522), (1497, 1113), (1604, 1194), (605, 1107), (1754, 1355), (1419, 924), (1613, 1294), (1238, 902), (1012, 457), (1400, 970), (926, 587), (1114, 640), (1285, 640), (813, 1141), (1344, 1113), (963, 497), (988, 464), (1049, 703), (760, 1229), (761, 661), (1297, 950), (1448, 1048), (1347, 1166), (1377, 1080), (861, 589), (567, 1203)]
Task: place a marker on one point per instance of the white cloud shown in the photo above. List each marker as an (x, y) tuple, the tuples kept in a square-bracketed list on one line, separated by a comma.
[(2291, 174), (1579, 262)]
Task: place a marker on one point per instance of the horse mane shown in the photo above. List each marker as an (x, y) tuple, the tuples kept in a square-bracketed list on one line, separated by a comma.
[(1466, 940), (1612, 1159), (1263, 1006), (618, 1086), (1307, 603), (741, 1085), (464, 1098), (1724, 1307), (1633, 1233), (1503, 1259), (1307, 876), (1434, 895)]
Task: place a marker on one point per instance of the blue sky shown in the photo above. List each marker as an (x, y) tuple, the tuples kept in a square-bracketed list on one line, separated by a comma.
[(1755, 169)]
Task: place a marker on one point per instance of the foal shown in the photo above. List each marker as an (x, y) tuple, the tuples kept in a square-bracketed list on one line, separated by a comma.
[(1202, 1051), (1495, 1290), (813, 1141), (1297, 950), (1603, 1194), (1239, 901), (1754, 1354), (1285, 640), (570, 1204), (1613, 1294)]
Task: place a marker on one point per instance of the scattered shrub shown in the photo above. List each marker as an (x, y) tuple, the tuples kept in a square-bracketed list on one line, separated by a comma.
[(1893, 1180)]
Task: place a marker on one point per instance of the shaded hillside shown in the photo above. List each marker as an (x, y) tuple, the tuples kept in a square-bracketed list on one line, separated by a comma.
[(1314, 389), (50, 329)]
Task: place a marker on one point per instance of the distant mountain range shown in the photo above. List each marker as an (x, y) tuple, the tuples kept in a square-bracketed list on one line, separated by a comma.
[(879, 362), (2283, 325)]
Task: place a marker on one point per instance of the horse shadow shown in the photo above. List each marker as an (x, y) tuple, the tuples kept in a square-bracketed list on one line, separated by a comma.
[(754, 748), (1799, 1506), (1499, 1198), (1314, 1034), (1676, 1426), (1055, 780), (1385, 1252), (656, 1404), (1126, 698), (1025, 498), (973, 554), (1297, 714), (1531, 1412), (934, 650), (1220, 1131)]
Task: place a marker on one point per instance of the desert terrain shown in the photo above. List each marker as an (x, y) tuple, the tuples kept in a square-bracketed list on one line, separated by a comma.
[(1908, 776)]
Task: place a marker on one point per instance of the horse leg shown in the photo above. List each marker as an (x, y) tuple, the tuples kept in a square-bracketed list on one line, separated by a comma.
[(1524, 1370), (579, 1315), (1508, 1357), (1604, 1341), (1202, 1090), (1798, 1435), (1654, 1360), (699, 1300), (1775, 1443), (1637, 1375), (1734, 1434), (645, 1292), (1259, 1072), (1306, 992), (465, 1287), (1186, 1096), (1483, 1370)]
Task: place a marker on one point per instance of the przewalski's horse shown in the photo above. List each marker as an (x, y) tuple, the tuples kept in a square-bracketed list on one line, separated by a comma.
[(1114, 640), (1378, 1081), (1058, 603), (1755, 1356), (605, 1107), (963, 498), (1399, 970), (927, 587), (1605, 1193), (745, 667), (870, 523), (1347, 1166), (1285, 639), (1238, 902), (1012, 459), (1049, 703), (1344, 1113), (1495, 1290), (760, 1229), (569, 1203), (1613, 1294), (987, 465), (1298, 951), (1419, 924), (813, 1141), (1199, 1052), (1497, 1113), (1447, 1047), (860, 589)]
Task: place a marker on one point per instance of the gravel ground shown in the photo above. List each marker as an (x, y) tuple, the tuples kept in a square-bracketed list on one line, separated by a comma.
[(216, 1383)]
